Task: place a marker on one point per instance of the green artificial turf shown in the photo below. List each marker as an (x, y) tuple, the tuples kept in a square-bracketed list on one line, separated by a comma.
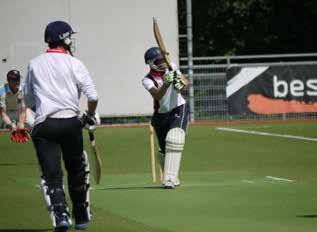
[(230, 181)]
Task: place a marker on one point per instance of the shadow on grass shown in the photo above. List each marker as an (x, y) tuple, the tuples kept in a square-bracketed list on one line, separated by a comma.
[(128, 188), (25, 230), (17, 164), (307, 216)]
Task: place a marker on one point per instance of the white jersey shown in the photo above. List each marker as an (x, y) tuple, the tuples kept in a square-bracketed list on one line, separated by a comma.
[(172, 97), (9, 100), (54, 84)]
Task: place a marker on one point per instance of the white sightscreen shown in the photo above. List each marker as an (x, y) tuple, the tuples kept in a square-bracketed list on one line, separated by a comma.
[(111, 40)]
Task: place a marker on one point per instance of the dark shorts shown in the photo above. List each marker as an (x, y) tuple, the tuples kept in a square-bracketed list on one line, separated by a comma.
[(162, 123)]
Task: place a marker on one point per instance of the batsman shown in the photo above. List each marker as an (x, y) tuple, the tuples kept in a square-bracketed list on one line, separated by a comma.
[(170, 119), (54, 82)]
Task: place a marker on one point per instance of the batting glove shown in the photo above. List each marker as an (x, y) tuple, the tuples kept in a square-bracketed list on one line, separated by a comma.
[(179, 84), (90, 121), (168, 78)]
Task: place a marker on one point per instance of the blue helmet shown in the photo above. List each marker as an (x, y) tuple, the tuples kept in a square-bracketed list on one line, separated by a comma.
[(153, 57), (58, 31)]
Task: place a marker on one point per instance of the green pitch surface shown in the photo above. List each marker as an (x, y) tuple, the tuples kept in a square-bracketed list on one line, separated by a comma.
[(236, 180)]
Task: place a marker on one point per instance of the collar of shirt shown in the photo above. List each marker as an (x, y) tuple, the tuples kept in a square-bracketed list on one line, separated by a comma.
[(9, 91), (56, 50), (154, 73)]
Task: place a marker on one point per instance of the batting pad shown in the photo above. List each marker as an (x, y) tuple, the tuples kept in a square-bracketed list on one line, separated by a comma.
[(48, 200), (175, 141), (161, 158), (87, 170)]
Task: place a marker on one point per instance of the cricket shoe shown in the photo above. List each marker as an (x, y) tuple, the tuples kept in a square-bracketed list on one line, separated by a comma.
[(169, 184), (82, 216), (63, 222), (82, 226)]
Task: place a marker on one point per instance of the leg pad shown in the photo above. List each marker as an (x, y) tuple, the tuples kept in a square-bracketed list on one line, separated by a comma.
[(175, 141)]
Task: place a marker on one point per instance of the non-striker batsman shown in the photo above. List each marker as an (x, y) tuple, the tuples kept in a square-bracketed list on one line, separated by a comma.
[(55, 81), (170, 116)]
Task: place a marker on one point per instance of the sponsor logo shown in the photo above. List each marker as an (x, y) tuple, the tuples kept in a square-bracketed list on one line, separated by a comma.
[(262, 105), (295, 88)]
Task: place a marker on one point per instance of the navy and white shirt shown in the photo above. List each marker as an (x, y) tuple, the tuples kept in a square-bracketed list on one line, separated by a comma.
[(172, 97), (54, 83)]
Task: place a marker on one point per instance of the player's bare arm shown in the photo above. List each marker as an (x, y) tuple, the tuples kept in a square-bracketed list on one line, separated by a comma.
[(92, 105), (158, 93), (7, 120), (22, 117)]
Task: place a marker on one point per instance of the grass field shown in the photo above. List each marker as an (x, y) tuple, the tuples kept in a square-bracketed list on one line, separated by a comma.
[(231, 181)]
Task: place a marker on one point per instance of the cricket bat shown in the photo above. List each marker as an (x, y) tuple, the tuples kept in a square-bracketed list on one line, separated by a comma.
[(96, 158), (160, 43), (165, 53)]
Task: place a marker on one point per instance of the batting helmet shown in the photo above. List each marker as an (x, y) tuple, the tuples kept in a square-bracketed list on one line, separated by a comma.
[(13, 75), (58, 31), (153, 57)]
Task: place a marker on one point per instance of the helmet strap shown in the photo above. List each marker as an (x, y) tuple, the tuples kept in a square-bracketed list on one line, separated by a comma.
[(68, 45)]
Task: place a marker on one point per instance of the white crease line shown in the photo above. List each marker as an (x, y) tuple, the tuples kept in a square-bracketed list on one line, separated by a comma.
[(248, 181), (122, 185), (278, 178), (267, 134), (216, 184), (256, 127), (114, 186)]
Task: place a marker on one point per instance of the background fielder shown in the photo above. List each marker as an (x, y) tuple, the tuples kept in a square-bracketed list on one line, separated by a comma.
[(13, 110), (170, 116), (55, 82)]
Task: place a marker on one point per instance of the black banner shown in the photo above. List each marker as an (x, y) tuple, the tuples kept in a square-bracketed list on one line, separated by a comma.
[(272, 89)]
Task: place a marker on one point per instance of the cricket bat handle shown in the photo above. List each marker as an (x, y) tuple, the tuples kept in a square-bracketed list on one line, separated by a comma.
[(91, 136)]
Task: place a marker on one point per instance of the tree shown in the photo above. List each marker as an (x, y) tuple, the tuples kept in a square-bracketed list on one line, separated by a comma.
[(241, 27)]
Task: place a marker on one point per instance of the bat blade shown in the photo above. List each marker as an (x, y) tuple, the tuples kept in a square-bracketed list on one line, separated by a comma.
[(158, 36), (160, 43), (96, 158)]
